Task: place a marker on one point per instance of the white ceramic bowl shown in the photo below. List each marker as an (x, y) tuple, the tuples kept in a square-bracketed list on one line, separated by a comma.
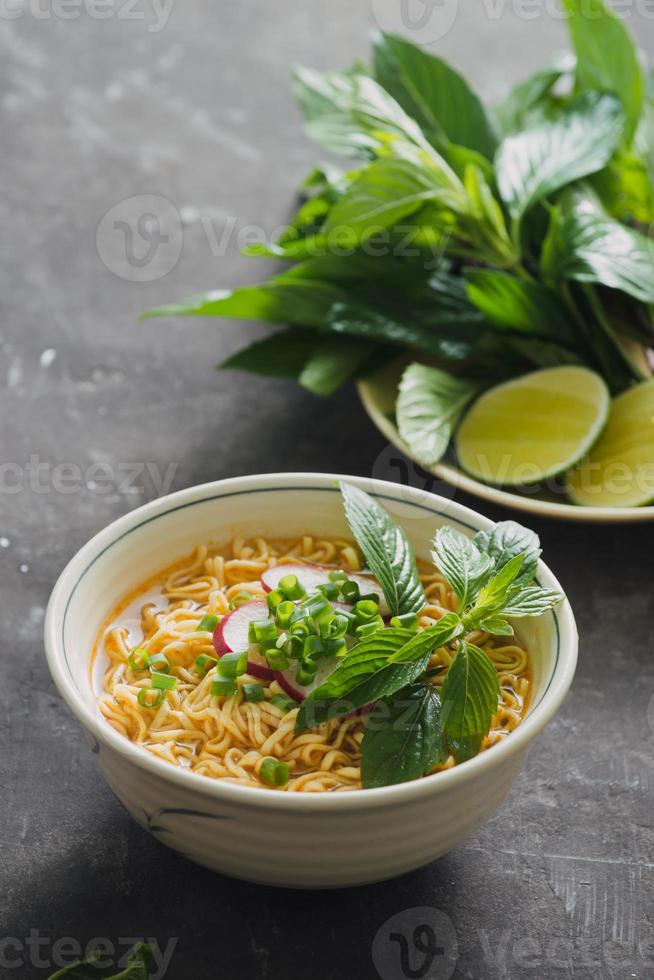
[(302, 841)]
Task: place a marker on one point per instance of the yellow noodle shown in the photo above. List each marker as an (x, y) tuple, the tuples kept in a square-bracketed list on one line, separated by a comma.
[(228, 738)]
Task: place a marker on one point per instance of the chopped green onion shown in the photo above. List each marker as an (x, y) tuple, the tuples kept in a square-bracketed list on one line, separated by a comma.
[(274, 772), (304, 675), (233, 664), (207, 624), (283, 703), (148, 697), (160, 663), (316, 606), (253, 692), (295, 646), (350, 591), (274, 598), (313, 648), (284, 613), (336, 647), (338, 575), (370, 597), (408, 621), (222, 687), (139, 659), (335, 628), (277, 659), (204, 663), (330, 590), (301, 625), (367, 629), (262, 630), (366, 610), (240, 599), (164, 682), (291, 588)]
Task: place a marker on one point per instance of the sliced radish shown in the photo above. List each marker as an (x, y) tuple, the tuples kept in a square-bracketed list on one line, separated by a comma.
[(311, 576), (231, 636)]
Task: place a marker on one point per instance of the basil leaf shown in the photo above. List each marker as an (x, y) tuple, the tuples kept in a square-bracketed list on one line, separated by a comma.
[(584, 244), (402, 738), (375, 668), (429, 405), (470, 696), (386, 549), (464, 566), (387, 191), (607, 59), (496, 625), (625, 188), (524, 305), (282, 355), (512, 112), (346, 112), (507, 539), (435, 95), (301, 302), (532, 601), (579, 140), (333, 362), (139, 966), (493, 596)]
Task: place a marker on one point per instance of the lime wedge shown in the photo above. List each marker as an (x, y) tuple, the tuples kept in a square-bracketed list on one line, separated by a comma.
[(619, 470), (533, 428)]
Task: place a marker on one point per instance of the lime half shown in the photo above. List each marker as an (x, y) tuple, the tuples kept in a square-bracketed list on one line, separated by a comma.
[(619, 471), (533, 428)]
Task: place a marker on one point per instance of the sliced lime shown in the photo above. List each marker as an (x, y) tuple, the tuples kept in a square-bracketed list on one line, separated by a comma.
[(619, 470), (533, 428)]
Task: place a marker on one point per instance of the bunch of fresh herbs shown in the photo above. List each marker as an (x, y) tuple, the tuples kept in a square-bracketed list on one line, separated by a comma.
[(483, 243)]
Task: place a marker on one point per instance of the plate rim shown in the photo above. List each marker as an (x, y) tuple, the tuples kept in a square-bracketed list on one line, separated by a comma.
[(496, 495)]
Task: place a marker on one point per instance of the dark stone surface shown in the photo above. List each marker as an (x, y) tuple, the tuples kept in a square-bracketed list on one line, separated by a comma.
[(561, 882)]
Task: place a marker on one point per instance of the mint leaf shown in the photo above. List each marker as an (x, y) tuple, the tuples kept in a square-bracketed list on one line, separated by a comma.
[(507, 539), (386, 549), (429, 405), (532, 601), (607, 59), (520, 304), (579, 140), (387, 191), (377, 667), (494, 594), (470, 697), (435, 95), (282, 355), (333, 362), (402, 738), (583, 243), (464, 566), (139, 966)]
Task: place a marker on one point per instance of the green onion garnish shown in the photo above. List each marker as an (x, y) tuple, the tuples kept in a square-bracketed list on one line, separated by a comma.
[(305, 675), (262, 630), (148, 697), (204, 663), (274, 772), (207, 624), (253, 692), (233, 664), (283, 703), (277, 659), (335, 628), (336, 647), (139, 659), (274, 598), (222, 687), (338, 575), (159, 662), (291, 588), (313, 648), (284, 613), (409, 621), (163, 682), (330, 590), (350, 591)]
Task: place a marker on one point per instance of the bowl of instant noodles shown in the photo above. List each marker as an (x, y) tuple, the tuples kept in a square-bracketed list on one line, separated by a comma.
[(237, 657)]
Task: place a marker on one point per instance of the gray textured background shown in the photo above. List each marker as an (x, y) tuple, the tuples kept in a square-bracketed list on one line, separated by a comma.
[(561, 882)]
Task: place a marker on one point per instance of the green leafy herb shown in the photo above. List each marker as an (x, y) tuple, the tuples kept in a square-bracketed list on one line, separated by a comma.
[(403, 738), (465, 567), (506, 539), (386, 549), (140, 964), (470, 696), (429, 405)]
